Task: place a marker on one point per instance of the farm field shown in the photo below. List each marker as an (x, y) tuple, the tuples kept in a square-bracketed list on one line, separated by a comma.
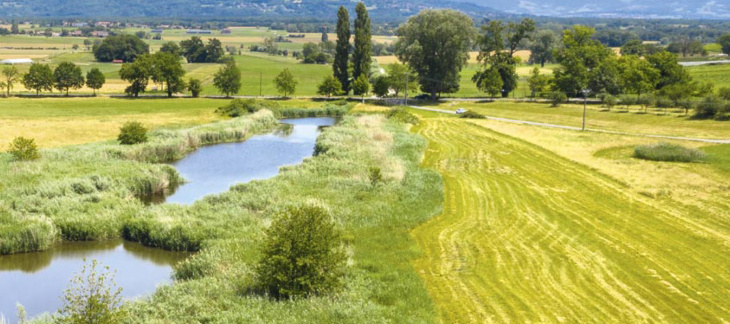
[(655, 122), (530, 236)]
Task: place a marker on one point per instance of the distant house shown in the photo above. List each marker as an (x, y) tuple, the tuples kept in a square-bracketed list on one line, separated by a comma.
[(118, 61), (77, 33), (199, 31), (79, 24), (156, 31), (101, 34), (55, 34), (17, 61), (226, 31)]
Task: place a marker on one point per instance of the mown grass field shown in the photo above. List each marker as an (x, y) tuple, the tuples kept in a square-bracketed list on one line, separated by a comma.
[(530, 236), (55, 122), (718, 74), (656, 121)]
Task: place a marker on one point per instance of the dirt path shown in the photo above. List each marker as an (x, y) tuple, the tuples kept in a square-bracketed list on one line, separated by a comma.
[(527, 236)]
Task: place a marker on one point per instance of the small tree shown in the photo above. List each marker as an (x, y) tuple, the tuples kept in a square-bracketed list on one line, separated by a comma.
[(361, 86), (132, 133), (557, 98), (195, 87), (39, 78), (11, 75), (330, 85), (228, 79), (285, 82), (302, 254), (381, 86), (138, 74), (92, 297), (95, 79), (490, 82), (24, 149)]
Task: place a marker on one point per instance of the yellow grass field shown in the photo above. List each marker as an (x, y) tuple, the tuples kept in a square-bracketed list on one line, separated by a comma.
[(529, 236)]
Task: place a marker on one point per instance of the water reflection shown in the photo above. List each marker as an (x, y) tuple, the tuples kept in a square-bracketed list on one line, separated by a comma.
[(215, 168), (38, 280)]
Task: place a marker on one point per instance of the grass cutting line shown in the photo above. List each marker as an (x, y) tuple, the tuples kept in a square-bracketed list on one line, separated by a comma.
[(528, 236)]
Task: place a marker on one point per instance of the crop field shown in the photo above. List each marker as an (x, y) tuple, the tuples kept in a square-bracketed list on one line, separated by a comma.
[(530, 236)]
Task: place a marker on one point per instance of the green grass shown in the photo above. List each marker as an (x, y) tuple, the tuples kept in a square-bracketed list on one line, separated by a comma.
[(521, 223), (668, 152), (718, 74)]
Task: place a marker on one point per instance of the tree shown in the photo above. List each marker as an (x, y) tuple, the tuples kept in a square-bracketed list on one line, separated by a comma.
[(67, 75), (670, 72), (329, 86), (436, 43), (537, 82), (325, 37), (132, 133), (497, 45), (381, 86), (606, 77), (363, 43), (168, 70), (579, 55), (14, 28), (195, 51), (687, 46), (11, 75), (95, 79), (24, 149), (398, 75), (285, 82), (633, 47), (138, 74), (302, 254), (638, 76), (39, 78), (228, 79), (724, 41), (92, 297), (123, 47), (490, 81), (172, 48), (542, 47), (195, 87), (342, 50), (361, 86)]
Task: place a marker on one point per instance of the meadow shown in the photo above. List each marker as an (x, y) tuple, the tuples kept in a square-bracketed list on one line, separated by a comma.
[(531, 236)]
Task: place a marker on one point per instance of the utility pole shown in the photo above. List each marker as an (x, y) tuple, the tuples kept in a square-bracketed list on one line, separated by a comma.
[(406, 92), (585, 101)]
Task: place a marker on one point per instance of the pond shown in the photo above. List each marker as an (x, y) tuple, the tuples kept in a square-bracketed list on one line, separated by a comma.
[(38, 280), (214, 169)]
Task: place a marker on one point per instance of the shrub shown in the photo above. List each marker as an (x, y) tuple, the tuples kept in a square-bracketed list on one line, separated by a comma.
[(302, 254), (661, 102), (557, 98), (403, 116), (668, 152), (91, 297), (240, 107), (628, 101), (132, 133), (195, 87), (724, 93), (24, 149), (608, 100), (708, 107), (471, 114)]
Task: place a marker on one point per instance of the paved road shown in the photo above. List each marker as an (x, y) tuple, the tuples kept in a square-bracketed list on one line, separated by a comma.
[(525, 122)]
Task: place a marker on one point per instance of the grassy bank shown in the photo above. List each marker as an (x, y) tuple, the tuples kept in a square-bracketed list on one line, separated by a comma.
[(86, 192)]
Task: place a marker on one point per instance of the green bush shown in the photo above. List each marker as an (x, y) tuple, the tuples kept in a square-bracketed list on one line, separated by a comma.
[(471, 114), (557, 98), (708, 107), (24, 149), (403, 116), (608, 100), (92, 297), (132, 133), (302, 254), (668, 152), (240, 107)]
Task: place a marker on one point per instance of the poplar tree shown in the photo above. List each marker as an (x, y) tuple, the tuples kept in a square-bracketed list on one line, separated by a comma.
[(342, 50), (363, 43)]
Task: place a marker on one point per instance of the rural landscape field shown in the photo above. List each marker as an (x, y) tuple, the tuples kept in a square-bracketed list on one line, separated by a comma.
[(369, 162)]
